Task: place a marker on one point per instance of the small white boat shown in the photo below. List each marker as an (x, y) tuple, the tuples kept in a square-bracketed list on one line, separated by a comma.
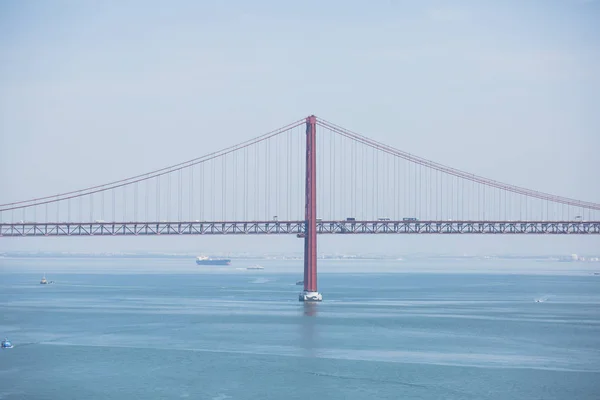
[(44, 281), (256, 267), (6, 344)]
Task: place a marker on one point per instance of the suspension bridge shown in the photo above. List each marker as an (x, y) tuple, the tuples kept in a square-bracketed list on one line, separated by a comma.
[(273, 183)]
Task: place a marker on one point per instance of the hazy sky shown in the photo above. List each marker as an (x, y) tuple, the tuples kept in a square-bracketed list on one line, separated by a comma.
[(92, 91)]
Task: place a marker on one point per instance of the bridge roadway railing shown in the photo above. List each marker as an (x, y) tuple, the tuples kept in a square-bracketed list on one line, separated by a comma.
[(297, 228)]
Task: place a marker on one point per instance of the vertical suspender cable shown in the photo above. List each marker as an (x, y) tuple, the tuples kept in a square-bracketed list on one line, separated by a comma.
[(135, 201), (201, 194), (146, 196), (234, 195), (124, 203), (191, 194), (212, 191), (223, 187)]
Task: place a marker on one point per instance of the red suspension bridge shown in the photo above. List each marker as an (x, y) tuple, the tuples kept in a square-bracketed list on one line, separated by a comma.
[(273, 183)]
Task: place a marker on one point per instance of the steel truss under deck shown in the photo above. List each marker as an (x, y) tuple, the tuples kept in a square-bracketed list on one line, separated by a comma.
[(298, 228)]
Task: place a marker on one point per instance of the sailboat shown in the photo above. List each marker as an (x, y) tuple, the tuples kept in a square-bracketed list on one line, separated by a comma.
[(44, 281)]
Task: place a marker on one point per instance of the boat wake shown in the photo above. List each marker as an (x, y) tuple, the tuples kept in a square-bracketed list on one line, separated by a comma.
[(542, 299), (260, 280)]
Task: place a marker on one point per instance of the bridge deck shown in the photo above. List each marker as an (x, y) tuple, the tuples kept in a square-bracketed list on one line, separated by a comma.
[(297, 228)]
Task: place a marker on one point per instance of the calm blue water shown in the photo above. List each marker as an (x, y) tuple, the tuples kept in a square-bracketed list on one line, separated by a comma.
[(169, 330)]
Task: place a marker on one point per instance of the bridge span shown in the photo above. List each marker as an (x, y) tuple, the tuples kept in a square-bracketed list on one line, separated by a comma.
[(293, 181), (298, 228)]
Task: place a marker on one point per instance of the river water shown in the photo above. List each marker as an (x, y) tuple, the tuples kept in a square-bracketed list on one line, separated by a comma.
[(157, 329)]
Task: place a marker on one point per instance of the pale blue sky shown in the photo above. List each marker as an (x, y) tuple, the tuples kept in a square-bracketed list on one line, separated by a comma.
[(94, 91)]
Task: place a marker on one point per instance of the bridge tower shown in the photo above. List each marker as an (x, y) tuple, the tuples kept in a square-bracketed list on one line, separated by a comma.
[(310, 237)]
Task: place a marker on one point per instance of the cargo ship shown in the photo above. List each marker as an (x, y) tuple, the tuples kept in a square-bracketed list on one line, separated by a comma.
[(203, 260)]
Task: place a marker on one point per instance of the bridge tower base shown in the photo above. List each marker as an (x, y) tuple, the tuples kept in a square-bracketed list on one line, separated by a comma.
[(310, 296), (310, 292)]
